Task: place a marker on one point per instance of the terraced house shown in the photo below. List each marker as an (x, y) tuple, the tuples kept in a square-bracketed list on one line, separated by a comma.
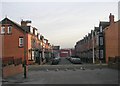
[(21, 43), (101, 43), (112, 40)]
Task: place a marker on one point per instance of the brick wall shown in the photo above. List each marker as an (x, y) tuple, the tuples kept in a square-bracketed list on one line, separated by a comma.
[(10, 48), (111, 41), (12, 70)]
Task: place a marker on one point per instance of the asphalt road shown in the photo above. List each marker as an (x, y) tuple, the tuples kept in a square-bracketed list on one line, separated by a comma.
[(78, 76), (66, 73), (64, 61)]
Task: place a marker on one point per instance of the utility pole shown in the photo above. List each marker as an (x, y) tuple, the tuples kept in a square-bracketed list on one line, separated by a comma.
[(25, 75), (93, 47)]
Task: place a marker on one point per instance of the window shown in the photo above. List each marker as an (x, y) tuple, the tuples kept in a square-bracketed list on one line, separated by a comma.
[(101, 54), (2, 30), (31, 29), (33, 55), (39, 37), (36, 32), (97, 40), (9, 29), (21, 42), (100, 28), (101, 40)]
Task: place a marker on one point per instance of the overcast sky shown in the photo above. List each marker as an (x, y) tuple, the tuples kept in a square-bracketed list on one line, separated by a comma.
[(62, 23)]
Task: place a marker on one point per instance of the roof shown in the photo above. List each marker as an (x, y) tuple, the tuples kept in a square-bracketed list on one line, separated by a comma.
[(104, 24), (96, 29), (8, 21), (27, 28)]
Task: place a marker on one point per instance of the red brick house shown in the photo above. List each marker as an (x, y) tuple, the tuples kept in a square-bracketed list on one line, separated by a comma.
[(20, 43), (12, 47), (112, 39)]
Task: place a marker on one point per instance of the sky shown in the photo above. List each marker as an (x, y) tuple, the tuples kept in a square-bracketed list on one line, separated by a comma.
[(61, 22)]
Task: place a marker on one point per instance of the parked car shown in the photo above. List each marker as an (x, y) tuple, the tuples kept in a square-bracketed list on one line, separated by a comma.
[(68, 58), (76, 60), (55, 60)]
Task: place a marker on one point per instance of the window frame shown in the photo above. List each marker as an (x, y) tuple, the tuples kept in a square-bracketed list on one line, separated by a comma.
[(101, 29), (101, 40), (21, 44), (9, 29), (2, 28)]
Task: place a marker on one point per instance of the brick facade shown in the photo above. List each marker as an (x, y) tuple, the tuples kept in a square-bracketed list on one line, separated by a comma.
[(111, 39), (20, 43), (105, 39), (67, 52), (12, 53)]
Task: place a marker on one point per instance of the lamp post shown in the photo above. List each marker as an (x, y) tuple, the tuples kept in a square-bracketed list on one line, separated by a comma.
[(93, 47), (25, 72)]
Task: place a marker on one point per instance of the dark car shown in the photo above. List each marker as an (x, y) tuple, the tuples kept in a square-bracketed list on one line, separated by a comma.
[(68, 58), (55, 61), (76, 60)]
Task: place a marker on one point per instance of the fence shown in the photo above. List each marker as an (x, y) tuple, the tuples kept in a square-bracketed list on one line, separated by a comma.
[(10, 61)]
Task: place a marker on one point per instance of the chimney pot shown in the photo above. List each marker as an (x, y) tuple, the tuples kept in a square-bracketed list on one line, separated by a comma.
[(111, 18)]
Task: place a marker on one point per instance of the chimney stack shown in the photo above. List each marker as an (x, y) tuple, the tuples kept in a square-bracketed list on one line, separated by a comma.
[(111, 18), (25, 23)]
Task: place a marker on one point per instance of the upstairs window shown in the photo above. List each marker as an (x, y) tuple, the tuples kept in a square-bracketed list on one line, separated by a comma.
[(3, 30), (9, 29), (101, 29), (21, 42), (101, 40), (36, 32), (31, 30)]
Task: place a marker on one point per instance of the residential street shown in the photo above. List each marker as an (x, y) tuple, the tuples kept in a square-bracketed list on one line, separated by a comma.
[(60, 42), (66, 73), (64, 61)]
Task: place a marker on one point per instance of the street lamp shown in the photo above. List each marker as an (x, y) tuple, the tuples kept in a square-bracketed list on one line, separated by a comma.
[(93, 46), (25, 75)]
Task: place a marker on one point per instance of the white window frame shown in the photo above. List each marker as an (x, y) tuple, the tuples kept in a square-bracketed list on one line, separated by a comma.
[(39, 36), (101, 40), (33, 55), (9, 29), (36, 32), (31, 30), (101, 29), (3, 30), (21, 41)]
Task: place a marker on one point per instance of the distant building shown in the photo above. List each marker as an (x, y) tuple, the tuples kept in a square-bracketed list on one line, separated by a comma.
[(67, 52), (56, 51)]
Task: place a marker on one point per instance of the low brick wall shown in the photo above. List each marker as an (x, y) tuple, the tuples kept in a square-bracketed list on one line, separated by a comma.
[(114, 62), (11, 70)]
